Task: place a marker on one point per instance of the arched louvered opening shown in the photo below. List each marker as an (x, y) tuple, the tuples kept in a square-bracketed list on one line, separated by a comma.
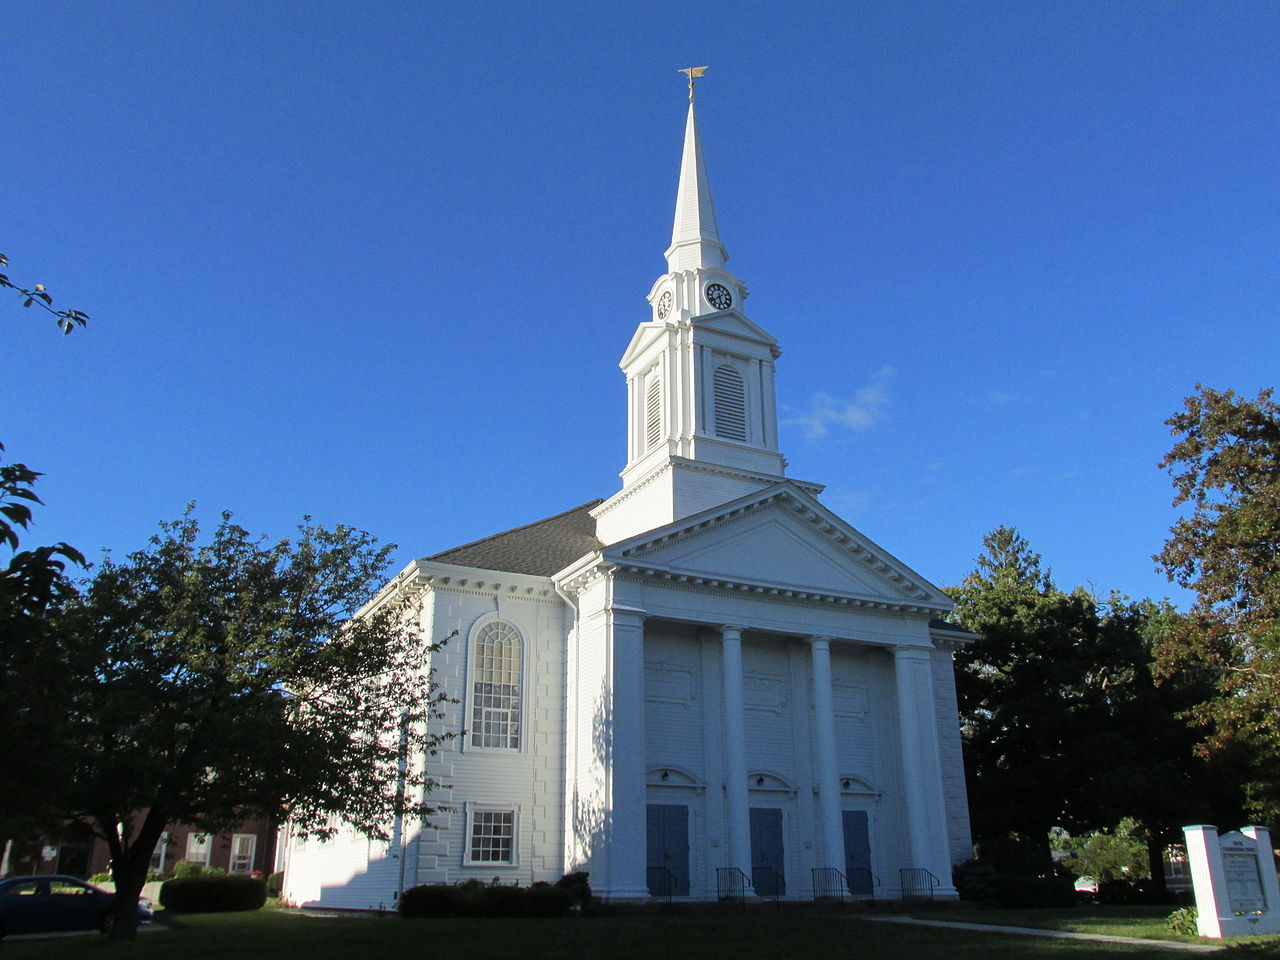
[(653, 413), (731, 404)]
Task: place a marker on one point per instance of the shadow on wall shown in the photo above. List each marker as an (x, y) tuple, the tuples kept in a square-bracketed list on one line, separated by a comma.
[(592, 817), (375, 870)]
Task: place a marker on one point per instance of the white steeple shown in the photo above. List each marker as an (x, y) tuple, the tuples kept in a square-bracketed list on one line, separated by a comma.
[(702, 422), (695, 240)]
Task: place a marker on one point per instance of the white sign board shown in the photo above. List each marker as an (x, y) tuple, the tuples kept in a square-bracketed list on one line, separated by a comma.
[(1234, 877)]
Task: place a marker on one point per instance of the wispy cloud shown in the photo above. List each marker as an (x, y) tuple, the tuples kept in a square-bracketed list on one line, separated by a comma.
[(861, 413)]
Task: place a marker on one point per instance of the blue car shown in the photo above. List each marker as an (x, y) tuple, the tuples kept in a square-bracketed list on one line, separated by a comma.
[(50, 904)]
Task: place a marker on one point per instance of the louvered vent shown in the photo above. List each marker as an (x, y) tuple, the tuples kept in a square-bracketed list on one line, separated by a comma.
[(653, 413), (731, 404)]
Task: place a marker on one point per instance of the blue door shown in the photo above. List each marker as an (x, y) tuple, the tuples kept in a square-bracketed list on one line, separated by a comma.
[(768, 870), (668, 843), (857, 853)]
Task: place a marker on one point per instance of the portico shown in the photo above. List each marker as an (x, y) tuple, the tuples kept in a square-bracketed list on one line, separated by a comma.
[(770, 716)]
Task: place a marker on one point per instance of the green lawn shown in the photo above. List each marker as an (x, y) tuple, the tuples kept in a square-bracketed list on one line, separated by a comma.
[(281, 935), (1114, 921)]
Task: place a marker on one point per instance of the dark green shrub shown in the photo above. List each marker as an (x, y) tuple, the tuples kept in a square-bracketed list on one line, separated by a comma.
[(1184, 921), (475, 899), (185, 869), (984, 882), (578, 887), (275, 883), (206, 894), (544, 900)]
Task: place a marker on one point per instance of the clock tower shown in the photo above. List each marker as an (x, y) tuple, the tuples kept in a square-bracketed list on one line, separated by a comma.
[(702, 422)]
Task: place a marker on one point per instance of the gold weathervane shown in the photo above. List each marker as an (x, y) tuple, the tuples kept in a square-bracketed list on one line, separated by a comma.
[(693, 73)]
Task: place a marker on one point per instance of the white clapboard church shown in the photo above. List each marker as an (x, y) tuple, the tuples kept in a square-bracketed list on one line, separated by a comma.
[(706, 683)]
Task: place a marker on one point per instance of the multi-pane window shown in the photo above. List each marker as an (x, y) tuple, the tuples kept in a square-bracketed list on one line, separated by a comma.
[(158, 854), (495, 690), (493, 834), (198, 847), (731, 403), (243, 846)]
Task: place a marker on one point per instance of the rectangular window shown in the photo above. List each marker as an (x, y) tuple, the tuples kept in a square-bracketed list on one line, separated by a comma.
[(243, 847), (158, 854), (493, 837), (198, 847)]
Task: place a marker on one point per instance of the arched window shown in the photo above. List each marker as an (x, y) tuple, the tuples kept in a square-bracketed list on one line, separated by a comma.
[(731, 404), (653, 412), (496, 664)]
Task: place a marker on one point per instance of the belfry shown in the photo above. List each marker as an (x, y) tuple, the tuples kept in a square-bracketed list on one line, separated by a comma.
[(706, 685)]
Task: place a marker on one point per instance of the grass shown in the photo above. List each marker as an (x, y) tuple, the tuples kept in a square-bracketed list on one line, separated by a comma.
[(1113, 921), (283, 935)]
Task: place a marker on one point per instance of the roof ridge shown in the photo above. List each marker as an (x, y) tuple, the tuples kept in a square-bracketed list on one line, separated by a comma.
[(534, 523)]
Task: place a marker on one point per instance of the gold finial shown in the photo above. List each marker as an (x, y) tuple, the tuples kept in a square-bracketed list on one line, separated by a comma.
[(693, 73)]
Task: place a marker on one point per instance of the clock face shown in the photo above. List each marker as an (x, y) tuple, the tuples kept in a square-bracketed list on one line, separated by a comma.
[(718, 296), (664, 305)]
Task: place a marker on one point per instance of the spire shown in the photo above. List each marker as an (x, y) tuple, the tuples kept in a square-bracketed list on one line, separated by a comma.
[(695, 241)]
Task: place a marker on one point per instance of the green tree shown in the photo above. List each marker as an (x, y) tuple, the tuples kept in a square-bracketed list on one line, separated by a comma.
[(1225, 467), (1064, 724), (239, 677), (1021, 691), (34, 668), (1113, 854)]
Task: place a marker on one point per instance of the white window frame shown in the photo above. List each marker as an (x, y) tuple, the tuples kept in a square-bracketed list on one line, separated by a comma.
[(160, 853), (482, 808), (253, 852), (473, 676), (193, 842)]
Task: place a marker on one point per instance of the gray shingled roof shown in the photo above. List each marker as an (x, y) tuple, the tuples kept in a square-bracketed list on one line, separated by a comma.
[(540, 548)]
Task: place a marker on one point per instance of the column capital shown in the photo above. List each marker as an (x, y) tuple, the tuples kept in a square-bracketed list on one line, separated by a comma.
[(911, 652), (818, 642), (729, 628), (619, 612)]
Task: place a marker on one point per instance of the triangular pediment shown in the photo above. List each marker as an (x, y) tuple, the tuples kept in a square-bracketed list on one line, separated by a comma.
[(645, 334), (734, 324), (778, 540)]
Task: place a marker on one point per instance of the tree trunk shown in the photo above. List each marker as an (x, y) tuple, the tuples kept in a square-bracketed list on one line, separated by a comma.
[(129, 868)]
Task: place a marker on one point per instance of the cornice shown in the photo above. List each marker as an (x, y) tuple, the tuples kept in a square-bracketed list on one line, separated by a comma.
[(777, 593), (489, 583)]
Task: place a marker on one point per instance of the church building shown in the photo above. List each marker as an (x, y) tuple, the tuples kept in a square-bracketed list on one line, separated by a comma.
[(706, 684)]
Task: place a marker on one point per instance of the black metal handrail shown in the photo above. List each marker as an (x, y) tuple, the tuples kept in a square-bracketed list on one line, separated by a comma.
[(917, 883), (662, 883), (768, 883), (862, 883), (731, 884), (828, 884)]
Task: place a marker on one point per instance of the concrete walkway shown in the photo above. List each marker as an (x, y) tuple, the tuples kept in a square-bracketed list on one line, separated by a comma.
[(1055, 934)]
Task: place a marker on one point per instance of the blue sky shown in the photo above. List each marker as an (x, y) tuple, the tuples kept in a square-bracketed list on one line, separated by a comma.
[(376, 263)]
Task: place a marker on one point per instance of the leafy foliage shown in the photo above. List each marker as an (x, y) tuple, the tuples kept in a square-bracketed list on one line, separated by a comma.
[(35, 670), (1225, 467), (473, 898), (238, 678), (1114, 854), (1064, 724), (38, 296), (207, 893)]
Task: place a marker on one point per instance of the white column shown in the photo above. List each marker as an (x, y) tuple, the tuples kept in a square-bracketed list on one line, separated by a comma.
[(737, 812), (624, 820), (828, 777), (921, 765)]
